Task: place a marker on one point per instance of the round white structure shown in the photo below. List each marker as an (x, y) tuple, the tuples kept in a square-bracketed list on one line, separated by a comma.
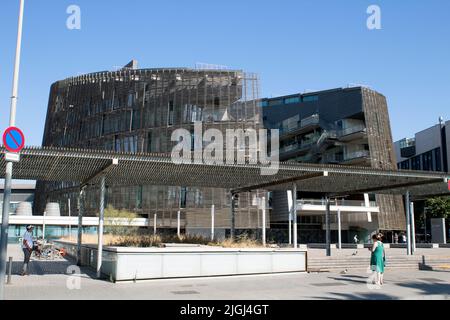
[(24, 209), (52, 209)]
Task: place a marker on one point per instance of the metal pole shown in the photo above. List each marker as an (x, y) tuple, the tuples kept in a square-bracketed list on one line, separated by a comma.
[(9, 165), (9, 270), (233, 218), (212, 222), (339, 229), (408, 223), (154, 223), (70, 222), (327, 225), (80, 226), (290, 226), (178, 224), (43, 227), (413, 229), (294, 213), (263, 209), (425, 223), (100, 227)]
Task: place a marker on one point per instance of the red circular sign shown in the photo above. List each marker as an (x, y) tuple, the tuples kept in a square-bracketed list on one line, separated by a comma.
[(13, 139)]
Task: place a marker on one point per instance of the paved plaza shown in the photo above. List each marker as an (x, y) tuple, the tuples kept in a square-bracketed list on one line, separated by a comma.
[(49, 280)]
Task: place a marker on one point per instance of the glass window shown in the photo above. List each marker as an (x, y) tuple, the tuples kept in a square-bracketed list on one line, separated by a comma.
[(292, 100), (183, 196), (427, 161), (310, 98), (437, 159), (404, 165), (275, 102), (149, 142), (415, 163), (171, 114)]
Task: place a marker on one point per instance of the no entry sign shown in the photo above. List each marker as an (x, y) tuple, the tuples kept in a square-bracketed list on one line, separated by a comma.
[(13, 139)]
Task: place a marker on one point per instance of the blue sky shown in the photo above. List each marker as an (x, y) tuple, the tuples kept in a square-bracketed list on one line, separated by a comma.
[(293, 45)]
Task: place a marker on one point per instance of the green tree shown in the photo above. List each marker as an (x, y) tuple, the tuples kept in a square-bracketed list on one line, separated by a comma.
[(438, 207)]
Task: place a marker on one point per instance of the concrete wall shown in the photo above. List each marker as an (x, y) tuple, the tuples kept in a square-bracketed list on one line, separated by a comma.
[(428, 139)]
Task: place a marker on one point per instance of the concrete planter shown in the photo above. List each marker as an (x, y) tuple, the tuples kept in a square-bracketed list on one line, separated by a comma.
[(121, 264)]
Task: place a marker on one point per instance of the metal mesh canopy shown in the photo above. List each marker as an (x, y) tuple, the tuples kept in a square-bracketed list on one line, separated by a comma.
[(86, 166)]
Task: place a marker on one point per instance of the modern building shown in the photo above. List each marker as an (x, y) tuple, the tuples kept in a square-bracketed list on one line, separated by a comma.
[(429, 150), (22, 194), (346, 126), (136, 111)]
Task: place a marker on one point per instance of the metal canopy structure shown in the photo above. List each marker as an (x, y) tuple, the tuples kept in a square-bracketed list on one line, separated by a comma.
[(83, 167), (89, 166)]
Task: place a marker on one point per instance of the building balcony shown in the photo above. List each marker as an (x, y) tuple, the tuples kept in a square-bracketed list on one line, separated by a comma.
[(361, 157), (332, 158), (303, 126), (299, 147), (352, 133), (340, 202)]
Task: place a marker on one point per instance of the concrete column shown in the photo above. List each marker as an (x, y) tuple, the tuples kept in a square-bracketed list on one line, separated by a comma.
[(413, 229), (100, 226), (294, 213), (154, 223), (80, 225), (212, 222), (263, 210), (339, 229), (327, 225), (408, 222)]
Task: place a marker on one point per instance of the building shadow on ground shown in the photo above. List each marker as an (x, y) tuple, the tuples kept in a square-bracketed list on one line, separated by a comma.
[(358, 296), (428, 288), (350, 279)]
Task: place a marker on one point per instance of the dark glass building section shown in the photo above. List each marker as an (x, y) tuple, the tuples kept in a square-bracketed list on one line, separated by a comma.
[(348, 126)]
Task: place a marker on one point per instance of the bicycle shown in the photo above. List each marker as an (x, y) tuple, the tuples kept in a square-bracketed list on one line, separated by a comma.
[(40, 252)]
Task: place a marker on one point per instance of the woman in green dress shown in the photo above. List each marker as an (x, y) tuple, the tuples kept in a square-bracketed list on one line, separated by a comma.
[(377, 258)]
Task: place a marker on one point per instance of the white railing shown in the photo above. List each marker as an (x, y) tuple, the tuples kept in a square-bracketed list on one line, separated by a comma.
[(356, 155), (343, 202), (354, 129)]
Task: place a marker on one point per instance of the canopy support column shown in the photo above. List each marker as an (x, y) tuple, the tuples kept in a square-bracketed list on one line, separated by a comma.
[(294, 214), (413, 229), (234, 198), (212, 222), (408, 222), (100, 226), (339, 229), (263, 209), (327, 225), (80, 200)]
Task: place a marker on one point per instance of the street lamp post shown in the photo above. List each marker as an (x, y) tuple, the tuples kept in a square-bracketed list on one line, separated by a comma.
[(9, 164)]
